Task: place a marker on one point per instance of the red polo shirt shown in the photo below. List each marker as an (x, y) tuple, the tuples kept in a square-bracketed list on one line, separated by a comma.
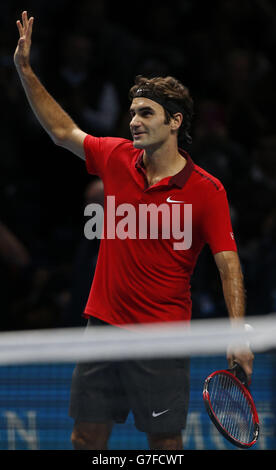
[(147, 280)]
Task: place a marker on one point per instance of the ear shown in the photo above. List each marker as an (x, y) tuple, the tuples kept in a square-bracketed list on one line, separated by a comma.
[(176, 121)]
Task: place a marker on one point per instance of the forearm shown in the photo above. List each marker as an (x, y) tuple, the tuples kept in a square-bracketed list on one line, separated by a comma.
[(234, 294), (56, 122), (231, 275), (232, 281)]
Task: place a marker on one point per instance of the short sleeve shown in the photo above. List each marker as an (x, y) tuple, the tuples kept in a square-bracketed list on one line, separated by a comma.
[(217, 225), (97, 152)]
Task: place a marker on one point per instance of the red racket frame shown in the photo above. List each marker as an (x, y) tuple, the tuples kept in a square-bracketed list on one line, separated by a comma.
[(212, 415)]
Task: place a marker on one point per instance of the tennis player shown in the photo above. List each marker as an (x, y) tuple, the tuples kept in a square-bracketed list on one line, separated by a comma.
[(138, 280)]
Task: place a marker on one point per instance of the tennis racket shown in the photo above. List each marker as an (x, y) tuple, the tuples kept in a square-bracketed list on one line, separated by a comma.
[(230, 406)]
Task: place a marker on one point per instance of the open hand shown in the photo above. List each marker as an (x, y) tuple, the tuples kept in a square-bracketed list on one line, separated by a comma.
[(22, 52)]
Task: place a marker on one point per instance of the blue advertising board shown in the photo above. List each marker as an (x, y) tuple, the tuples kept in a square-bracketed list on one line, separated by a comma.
[(34, 408)]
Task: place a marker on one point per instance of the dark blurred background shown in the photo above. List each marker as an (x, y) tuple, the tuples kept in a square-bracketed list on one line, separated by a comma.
[(87, 53)]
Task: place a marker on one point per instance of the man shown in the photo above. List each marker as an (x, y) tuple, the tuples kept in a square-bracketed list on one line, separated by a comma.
[(138, 280)]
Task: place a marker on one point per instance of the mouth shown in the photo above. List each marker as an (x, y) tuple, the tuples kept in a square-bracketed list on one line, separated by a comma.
[(136, 135)]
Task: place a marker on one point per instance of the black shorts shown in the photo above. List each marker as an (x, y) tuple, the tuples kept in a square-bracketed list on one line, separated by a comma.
[(156, 391)]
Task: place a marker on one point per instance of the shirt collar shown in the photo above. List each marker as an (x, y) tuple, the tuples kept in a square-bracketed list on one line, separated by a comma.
[(181, 177)]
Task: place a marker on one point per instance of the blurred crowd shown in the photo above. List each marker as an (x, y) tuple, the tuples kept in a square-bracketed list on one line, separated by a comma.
[(87, 53)]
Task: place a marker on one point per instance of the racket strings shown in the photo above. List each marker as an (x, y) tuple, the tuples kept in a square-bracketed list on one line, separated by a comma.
[(231, 408)]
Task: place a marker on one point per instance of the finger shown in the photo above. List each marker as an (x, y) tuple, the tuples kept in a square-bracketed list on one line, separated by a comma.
[(230, 361), (30, 27), (25, 20), (20, 28)]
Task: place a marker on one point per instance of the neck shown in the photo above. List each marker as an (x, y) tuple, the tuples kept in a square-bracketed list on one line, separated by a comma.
[(163, 161)]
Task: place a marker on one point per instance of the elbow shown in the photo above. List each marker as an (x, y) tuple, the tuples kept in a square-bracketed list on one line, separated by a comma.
[(230, 271), (228, 264), (58, 138), (232, 274), (63, 136)]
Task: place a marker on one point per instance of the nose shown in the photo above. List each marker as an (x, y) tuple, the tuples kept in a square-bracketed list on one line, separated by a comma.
[(135, 122)]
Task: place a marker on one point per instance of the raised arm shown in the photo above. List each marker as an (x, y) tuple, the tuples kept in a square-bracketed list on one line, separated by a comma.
[(229, 267), (56, 122)]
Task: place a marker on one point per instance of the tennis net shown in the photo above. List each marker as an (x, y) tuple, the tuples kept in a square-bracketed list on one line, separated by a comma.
[(36, 369)]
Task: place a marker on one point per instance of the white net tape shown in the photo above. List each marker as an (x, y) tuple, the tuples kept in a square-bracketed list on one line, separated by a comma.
[(142, 341)]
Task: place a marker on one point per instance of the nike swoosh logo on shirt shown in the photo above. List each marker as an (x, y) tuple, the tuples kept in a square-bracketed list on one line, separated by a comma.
[(172, 200), (154, 414)]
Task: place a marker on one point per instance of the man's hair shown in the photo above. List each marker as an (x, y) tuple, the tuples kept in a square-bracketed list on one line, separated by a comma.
[(168, 89)]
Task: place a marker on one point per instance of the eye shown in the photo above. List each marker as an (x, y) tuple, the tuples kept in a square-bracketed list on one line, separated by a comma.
[(146, 113)]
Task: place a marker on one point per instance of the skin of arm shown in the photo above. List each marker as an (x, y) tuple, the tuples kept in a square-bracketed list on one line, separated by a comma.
[(56, 122), (231, 275)]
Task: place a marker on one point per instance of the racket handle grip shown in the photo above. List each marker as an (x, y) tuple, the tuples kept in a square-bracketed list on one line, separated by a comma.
[(240, 374)]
